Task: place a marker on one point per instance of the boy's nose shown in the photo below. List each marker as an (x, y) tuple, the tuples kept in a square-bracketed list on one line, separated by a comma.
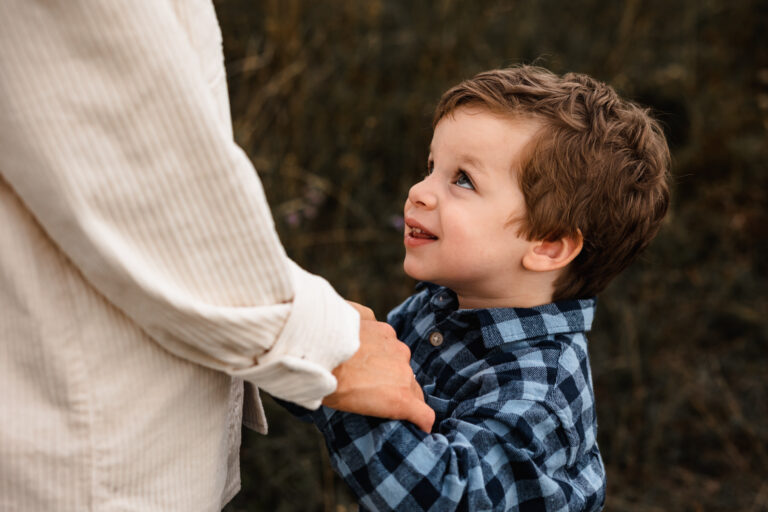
[(422, 195)]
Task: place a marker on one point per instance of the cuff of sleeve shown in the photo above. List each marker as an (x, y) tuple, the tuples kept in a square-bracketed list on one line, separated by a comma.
[(321, 332)]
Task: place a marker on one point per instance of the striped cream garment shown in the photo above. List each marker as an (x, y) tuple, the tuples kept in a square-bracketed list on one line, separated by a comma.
[(141, 279)]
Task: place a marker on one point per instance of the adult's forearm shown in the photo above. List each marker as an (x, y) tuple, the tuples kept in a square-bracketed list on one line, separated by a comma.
[(118, 141)]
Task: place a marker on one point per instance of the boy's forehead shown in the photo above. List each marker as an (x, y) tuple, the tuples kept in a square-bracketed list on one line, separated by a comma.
[(492, 120), (474, 133)]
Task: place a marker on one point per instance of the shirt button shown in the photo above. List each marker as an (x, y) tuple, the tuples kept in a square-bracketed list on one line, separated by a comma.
[(436, 339)]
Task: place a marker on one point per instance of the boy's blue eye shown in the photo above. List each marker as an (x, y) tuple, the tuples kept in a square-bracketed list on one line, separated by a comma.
[(463, 181)]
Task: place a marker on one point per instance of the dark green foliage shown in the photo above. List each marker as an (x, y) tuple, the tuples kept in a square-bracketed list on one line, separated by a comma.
[(333, 102)]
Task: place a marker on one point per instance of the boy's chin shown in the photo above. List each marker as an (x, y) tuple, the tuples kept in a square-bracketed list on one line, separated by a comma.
[(424, 276), (412, 275), (413, 272)]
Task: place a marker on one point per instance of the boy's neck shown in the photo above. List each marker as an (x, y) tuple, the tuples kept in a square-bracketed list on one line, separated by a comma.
[(515, 300), (516, 290)]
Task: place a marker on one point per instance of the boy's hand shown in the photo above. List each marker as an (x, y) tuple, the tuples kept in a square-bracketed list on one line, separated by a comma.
[(377, 380)]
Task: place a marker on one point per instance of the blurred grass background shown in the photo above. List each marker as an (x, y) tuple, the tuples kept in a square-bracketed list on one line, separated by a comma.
[(333, 100)]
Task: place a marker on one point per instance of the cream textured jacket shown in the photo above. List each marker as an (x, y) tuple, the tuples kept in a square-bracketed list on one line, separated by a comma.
[(141, 278)]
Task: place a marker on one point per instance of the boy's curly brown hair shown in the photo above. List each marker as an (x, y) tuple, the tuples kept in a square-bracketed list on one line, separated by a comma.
[(599, 167)]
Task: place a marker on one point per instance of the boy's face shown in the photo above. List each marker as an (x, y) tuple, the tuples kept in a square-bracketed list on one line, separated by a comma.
[(460, 227)]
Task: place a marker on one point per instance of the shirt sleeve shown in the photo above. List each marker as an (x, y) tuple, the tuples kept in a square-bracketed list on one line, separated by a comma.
[(509, 455), (112, 138)]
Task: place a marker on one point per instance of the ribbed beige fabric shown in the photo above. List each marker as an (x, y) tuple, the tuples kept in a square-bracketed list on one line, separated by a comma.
[(140, 273)]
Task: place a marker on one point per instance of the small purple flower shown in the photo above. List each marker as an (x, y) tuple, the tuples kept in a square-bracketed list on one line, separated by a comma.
[(314, 196), (293, 219), (397, 222)]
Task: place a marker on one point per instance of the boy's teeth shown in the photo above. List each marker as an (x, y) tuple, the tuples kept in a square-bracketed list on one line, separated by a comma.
[(420, 233)]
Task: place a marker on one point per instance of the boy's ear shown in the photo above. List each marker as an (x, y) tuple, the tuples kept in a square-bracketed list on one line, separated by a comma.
[(545, 256)]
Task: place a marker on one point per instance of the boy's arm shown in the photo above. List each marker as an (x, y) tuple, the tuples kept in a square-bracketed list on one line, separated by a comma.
[(511, 455)]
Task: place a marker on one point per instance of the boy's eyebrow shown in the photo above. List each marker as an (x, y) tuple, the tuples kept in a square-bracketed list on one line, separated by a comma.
[(471, 160), (467, 159)]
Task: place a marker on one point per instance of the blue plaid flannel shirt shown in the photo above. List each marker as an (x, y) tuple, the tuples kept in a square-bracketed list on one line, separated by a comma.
[(515, 413)]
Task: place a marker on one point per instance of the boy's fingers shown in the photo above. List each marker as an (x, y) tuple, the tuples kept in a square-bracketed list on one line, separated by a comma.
[(365, 313)]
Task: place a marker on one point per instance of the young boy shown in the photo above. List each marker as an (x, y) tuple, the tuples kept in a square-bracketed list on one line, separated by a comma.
[(539, 190)]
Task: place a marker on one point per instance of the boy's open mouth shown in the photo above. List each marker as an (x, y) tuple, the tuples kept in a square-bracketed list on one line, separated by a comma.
[(420, 233), (417, 231)]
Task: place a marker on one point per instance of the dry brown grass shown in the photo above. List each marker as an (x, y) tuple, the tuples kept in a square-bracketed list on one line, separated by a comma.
[(332, 101)]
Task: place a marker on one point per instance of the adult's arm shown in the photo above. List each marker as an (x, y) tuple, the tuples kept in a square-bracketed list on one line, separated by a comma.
[(111, 136)]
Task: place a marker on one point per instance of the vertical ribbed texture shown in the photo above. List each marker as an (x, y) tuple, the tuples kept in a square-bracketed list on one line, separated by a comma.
[(139, 266)]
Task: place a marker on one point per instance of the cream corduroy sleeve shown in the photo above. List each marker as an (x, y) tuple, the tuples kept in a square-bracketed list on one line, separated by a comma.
[(112, 138)]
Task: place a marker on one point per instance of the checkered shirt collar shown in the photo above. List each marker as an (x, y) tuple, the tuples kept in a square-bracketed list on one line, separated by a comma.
[(507, 325)]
